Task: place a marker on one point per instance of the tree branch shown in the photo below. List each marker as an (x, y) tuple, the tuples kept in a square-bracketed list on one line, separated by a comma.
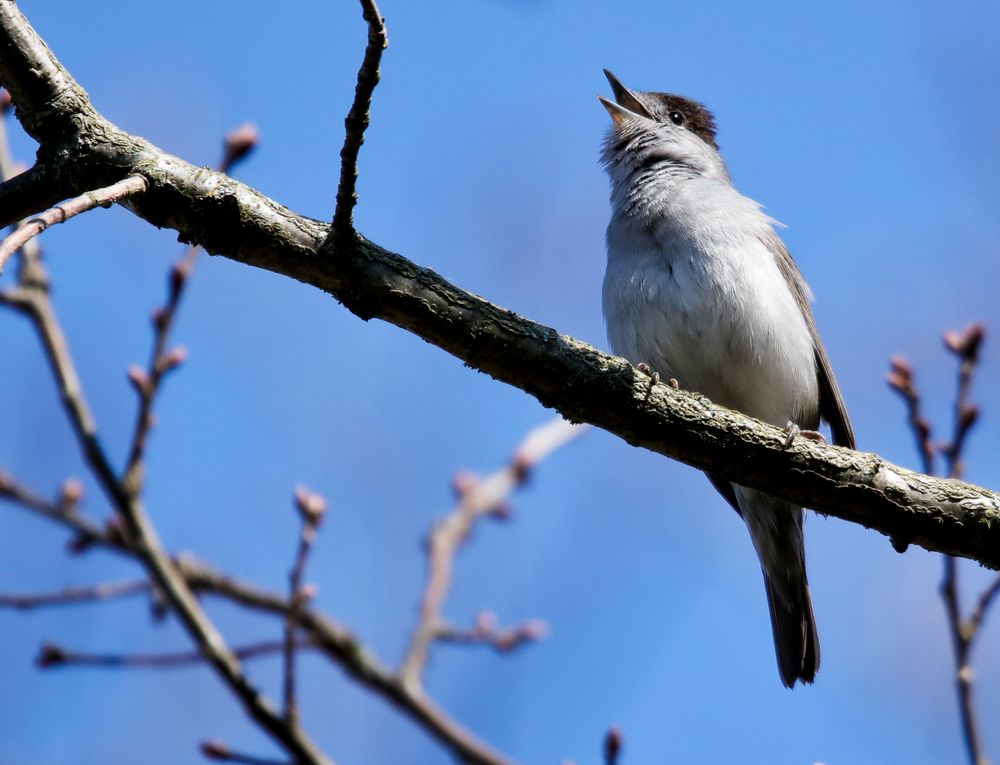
[(582, 383)]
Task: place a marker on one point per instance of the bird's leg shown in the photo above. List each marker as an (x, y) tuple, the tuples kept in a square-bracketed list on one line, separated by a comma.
[(792, 431)]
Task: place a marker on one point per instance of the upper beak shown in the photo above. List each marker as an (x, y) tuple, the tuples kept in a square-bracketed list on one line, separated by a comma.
[(628, 104)]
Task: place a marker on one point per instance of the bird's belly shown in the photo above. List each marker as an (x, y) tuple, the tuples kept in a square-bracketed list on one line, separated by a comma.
[(730, 330)]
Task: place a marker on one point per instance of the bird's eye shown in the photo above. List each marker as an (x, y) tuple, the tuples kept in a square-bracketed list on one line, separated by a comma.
[(676, 117)]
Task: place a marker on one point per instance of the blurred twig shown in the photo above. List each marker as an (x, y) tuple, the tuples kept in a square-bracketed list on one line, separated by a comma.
[(311, 508), (216, 750), (73, 595), (52, 655), (477, 499), (965, 345)]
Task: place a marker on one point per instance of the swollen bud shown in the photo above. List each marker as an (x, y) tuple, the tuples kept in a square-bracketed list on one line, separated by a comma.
[(71, 493), (216, 750), (966, 343), (311, 506), (139, 379), (238, 145)]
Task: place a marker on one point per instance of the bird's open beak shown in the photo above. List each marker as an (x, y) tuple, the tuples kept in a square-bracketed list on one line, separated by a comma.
[(628, 104)]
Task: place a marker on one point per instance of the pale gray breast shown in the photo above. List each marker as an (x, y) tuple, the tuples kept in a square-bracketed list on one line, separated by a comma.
[(712, 310)]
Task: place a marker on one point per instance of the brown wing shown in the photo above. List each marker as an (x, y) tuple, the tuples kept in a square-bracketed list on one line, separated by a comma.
[(831, 403)]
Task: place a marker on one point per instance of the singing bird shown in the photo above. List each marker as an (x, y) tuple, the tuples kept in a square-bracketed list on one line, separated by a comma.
[(700, 288)]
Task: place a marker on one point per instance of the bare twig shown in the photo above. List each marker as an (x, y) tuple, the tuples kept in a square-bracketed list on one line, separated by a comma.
[(74, 595), (901, 380), (104, 197), (216, 750), (477, 498), (357, 119), (51, 655), (486, 632), (312, 508), (147, 382), (238, 144), (978, 615), (965, 345)]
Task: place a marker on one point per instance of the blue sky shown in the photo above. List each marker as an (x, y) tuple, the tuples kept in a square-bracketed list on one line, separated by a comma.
[(869, 129)]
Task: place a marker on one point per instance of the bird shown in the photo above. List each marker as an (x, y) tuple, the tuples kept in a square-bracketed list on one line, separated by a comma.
[(700, 289)]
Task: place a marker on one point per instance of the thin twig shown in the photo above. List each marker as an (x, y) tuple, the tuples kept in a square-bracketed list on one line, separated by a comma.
[(238, 144), (978, 615), (477, 498), (486, 632), (51, 655), (311, 508), (104, 197), (966, 346), (74, 595), (216, 750), (357, 119), (901, 380), (147, 381)]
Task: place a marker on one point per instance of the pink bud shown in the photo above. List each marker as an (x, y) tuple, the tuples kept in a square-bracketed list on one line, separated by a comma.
[(216, 750), (139, 379), (311, 506), (72, 492), (238, 144)]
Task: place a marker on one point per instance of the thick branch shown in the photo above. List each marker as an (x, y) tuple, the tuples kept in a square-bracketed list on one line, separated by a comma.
[(582, 383)]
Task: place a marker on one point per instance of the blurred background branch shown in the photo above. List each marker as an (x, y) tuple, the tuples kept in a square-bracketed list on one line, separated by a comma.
[(965, 345)]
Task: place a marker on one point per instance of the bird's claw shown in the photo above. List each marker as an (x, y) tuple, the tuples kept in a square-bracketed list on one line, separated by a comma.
[(654, 376), (792, 431)]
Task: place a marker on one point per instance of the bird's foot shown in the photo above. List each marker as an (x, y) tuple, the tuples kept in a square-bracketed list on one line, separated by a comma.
[(792, 431), (654, 376)]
